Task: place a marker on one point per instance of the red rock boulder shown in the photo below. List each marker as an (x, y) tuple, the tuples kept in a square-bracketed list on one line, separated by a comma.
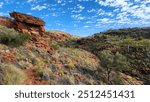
[(27, 24), (27, 19)]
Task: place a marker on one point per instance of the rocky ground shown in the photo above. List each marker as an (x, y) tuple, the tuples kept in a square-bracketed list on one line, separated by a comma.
[(44, 57)]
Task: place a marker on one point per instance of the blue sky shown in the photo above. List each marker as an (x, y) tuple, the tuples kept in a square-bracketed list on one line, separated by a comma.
[(83, 17)]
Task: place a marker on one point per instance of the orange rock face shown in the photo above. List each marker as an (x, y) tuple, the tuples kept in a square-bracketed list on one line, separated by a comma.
[(24, 18), (24, 23), (27, 24), (6, 21), (7, 57), (42, 43)]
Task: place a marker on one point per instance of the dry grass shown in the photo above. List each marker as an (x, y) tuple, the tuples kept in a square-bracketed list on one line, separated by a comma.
[(77, 57), (12, 75)]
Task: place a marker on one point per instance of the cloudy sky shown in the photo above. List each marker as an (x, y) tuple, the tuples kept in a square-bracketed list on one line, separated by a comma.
[(83, 17)]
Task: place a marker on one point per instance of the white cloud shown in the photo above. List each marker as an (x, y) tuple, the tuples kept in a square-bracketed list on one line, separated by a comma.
[(89, 22), (70, 1), (38, 7), (78, 17), (112, 3), (1, 4), (54, 14), (87, 26), (59, 1), (101, 12), (84, 0), (116, 10), (127, 11), (105, 21), (91, 11), (29, 0), (78, 9)]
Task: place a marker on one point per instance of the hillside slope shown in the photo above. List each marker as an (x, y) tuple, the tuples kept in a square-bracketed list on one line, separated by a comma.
[(44, 60), (31, 55), (134, 44), (64, 59)]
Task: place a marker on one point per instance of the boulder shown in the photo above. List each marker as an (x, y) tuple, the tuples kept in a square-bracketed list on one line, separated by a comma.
[(24, 23), (24, 18), (27, 24)]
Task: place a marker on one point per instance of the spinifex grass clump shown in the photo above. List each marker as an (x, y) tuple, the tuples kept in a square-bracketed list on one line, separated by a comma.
[(10, 75)]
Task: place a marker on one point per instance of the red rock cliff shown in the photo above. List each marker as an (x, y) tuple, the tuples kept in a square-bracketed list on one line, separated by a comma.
[(24, 23), (6, 21)]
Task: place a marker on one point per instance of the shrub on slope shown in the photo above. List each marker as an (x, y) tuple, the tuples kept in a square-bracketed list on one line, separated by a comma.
[(12, 38)]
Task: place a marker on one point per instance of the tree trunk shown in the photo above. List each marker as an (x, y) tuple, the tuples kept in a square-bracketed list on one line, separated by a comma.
[(108, 75), (128, 48)]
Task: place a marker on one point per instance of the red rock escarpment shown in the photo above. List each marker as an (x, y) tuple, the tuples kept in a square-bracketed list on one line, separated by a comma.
[(6, 21), (24, 23), (27, 24)]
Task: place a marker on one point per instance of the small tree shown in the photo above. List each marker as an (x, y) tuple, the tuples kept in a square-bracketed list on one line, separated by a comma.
[(110, 62), (129, 42)]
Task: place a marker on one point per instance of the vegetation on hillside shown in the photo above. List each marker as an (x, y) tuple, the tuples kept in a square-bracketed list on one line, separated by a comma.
[(112, 62), (112, 57), (10, 75), (134, 44), (12, 38)]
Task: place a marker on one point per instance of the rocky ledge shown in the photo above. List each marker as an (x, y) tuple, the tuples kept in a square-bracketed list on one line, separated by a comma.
[(24, 23)]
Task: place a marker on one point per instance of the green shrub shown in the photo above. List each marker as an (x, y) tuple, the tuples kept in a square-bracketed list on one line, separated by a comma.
[(112, 62), (137, 43), (12, 38), (43, 73), (54, 45), (39, 71), (145, 43)]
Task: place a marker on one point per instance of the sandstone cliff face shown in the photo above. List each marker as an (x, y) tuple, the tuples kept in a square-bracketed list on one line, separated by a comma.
[(27, 24), (24, 23), (24, 18), (6, 21)]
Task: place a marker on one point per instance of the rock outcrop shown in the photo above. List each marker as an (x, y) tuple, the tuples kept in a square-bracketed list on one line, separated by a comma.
[(6, 21), (8, 57), (24, 23), (27, 24), (24, 18)]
